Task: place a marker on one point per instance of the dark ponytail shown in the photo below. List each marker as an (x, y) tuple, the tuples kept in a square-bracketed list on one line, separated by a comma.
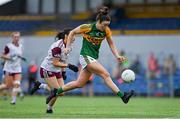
[(61, 34), (103, 14)]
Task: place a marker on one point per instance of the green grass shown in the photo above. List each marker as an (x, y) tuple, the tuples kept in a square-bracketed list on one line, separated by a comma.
[(96, 107)]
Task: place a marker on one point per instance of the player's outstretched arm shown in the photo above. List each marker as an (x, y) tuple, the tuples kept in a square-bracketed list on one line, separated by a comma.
[(78, 30), (114, 50), (60, 64), (71, 37)]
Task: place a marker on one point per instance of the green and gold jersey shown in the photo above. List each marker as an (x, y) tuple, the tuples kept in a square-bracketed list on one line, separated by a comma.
[(92, 39)]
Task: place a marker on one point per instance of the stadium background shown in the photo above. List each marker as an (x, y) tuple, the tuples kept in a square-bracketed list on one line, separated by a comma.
[(139, 27)]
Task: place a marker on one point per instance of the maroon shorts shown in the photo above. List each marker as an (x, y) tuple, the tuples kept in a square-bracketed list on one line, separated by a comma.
[(11, 74), (46, 74)]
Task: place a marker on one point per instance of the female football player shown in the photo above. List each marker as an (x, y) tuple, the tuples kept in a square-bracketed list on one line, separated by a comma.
[(93, 35), (12, 67), (52, 65)]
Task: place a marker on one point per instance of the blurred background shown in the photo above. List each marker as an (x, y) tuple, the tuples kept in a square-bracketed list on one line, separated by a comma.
[(145, 31)]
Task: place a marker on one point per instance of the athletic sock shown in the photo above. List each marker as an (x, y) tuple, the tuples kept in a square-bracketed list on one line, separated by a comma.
[(13, 99), (43, 86), (120, 94), (49, 107), (59, 91)]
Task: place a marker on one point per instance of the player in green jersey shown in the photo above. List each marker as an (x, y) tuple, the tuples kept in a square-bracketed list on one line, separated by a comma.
[(93, 35)]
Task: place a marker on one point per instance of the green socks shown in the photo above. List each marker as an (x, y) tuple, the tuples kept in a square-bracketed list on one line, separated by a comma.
[(59, 91), (120, 94)]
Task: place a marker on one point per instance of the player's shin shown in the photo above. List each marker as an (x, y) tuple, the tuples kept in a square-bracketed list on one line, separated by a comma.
[(51, 96), (15, 91)]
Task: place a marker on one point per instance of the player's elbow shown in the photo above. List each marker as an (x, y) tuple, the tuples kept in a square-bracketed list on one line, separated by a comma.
[(111, 44), (74, 32), (56, 63)]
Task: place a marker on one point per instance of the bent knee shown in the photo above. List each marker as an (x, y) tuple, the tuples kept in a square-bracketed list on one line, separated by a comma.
[(17, 83), (79, 85), (105, 75), (5, 86)]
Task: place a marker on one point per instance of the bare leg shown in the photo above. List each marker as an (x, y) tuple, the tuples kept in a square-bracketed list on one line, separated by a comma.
[(84, 76), (53, 84), (61, 83), (16, 87), (80, 82), (8, 82), (98, 69), (3, 86)]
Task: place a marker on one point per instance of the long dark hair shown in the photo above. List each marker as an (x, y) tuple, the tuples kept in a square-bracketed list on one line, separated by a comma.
[(61, 34), (103, 14)]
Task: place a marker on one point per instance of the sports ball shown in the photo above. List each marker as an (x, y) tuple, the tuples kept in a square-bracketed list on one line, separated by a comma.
[(128, 76)]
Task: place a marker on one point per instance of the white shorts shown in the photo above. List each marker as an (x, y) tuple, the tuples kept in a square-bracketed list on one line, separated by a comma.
[(85, 60)]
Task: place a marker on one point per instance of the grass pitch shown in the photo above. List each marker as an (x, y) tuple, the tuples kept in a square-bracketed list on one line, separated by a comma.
[(92, 107)]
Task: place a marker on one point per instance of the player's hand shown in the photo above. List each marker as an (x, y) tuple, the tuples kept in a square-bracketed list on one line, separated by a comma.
[(22, 58), (73, 67), (64, 75), (121, 59), (13, 57), (66, 50)]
